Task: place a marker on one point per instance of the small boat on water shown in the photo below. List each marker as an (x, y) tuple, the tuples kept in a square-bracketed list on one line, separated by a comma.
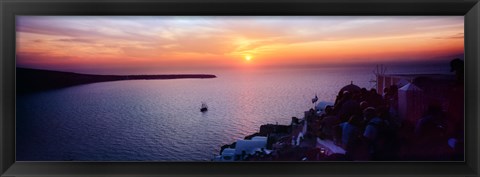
[(204, 108)]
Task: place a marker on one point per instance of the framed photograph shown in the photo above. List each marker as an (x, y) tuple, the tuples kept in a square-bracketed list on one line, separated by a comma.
[(256, 88)]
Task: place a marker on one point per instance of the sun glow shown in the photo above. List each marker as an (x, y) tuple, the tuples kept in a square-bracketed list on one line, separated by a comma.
[(248, 57)]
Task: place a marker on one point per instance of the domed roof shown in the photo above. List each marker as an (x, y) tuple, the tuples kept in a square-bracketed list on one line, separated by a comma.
[(350, 88)]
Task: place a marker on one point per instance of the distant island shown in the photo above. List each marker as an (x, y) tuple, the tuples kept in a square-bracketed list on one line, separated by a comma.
[(32, 80)]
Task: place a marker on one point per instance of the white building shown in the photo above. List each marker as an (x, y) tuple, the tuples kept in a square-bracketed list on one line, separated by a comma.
[(243, 147)]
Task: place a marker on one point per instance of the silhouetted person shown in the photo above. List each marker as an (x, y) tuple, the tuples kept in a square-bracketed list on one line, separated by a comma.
[(374, 131), (347, 107), (363, 95), (342, 97), (433, 124), (457, 66), (387, 146), (374, 99), (328, 123), (385, 92), (351, 133), (431, 131), (339, 98)]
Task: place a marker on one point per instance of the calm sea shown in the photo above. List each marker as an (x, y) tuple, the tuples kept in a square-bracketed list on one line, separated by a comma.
[(159, 120)]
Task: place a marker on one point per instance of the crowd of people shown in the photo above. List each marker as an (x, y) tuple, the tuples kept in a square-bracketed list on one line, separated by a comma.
[(367, 125), (362, 123)]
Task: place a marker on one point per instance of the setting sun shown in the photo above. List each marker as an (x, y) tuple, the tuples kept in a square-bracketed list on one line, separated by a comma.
[(248, 57)]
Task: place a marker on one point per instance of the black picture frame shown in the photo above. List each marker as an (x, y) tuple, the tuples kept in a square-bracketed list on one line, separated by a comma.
[(10, 8)]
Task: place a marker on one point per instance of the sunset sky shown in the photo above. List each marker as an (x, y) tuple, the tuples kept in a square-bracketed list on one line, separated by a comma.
[(158, 44)]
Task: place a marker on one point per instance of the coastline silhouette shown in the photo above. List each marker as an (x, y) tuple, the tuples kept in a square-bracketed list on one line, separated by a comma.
[(33, 80)]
